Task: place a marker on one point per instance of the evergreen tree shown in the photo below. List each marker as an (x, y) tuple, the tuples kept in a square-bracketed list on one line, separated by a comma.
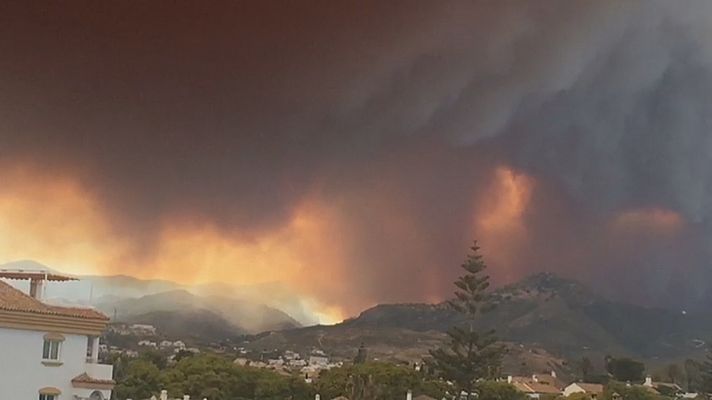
[(693, 375), (674, 373), (625, 369), (705, 369), (362, 355), (586, 366), (470, 355), (141, 381)]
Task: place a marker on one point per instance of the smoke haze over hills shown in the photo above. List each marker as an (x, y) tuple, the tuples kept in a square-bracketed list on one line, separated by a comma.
[(352, 151)]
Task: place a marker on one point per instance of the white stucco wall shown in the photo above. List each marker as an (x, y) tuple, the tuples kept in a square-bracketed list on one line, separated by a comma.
[(573, 388), (22, 373)]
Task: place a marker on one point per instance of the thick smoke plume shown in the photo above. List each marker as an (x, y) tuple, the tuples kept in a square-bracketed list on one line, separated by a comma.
[(353, 150)]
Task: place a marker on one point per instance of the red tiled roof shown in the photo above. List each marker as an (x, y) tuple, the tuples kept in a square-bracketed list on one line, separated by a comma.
[(86, 381), (596, 388), (84, 378), (12, 299), (528, 385), (550, 380)]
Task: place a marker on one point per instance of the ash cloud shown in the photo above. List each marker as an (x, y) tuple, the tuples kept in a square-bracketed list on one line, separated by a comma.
[(397, 114)]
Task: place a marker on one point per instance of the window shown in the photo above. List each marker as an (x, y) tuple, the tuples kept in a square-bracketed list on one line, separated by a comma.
[(90, 345), (49, 393), (50, 351), (96, 395)]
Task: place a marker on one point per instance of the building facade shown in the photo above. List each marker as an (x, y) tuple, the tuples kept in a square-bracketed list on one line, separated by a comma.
[(49, 352)]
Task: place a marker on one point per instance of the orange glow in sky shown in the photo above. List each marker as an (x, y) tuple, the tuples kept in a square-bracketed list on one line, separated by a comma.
[(55, 221), (652, 220), (499, 226)]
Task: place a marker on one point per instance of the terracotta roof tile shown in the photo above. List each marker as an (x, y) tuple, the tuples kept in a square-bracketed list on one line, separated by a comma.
[(528, 385), (12, 299), (596, 388), (550, 380), (84, 378)]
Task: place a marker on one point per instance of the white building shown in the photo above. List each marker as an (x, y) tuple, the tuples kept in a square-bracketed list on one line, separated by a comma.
[(49, 352), (143, 329), (592, 389), (318, 360)]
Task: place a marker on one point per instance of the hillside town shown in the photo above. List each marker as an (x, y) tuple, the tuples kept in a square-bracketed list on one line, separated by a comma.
[(80, 369)]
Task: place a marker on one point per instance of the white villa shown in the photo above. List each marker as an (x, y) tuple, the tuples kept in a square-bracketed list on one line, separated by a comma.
[(592, 389), (49, 352)]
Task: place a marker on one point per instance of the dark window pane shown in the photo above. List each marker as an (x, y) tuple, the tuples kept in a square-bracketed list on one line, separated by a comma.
[(45, 353)]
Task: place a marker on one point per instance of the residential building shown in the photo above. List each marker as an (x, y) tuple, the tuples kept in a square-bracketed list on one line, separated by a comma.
[(666, 388), (535, 387), (49, 352), (143, 329), (594, 390), (318, 360)]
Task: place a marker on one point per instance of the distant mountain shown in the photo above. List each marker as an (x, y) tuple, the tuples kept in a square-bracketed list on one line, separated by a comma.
[(547, 322), (202, 325), (241, 315), (562, 316), (99, 289), (90, 287), (27, 265)]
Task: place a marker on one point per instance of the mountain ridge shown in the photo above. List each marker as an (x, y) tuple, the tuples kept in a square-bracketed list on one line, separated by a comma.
[(541, 319), (247, 317)]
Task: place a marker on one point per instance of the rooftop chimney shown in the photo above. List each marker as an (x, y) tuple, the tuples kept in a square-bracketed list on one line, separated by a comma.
[(535, 379), (317, 397), (36, 288), (553, 373), (164, 395), (648, 381), (509, 379), (409, 395)]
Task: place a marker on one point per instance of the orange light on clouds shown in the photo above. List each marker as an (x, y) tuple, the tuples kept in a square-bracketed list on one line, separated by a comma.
[(498, 218), (653, 220), (54, 220)]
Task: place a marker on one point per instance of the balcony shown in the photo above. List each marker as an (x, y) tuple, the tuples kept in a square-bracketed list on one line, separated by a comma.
[(100, 371)]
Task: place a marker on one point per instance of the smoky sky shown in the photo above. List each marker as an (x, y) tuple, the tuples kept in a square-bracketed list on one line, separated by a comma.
[(236, 112)]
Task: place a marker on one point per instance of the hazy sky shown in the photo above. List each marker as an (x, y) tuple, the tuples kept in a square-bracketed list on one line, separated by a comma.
[(353, 150)]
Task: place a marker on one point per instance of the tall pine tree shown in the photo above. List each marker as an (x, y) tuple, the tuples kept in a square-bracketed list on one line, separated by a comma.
[(705, 369), (469, 354)]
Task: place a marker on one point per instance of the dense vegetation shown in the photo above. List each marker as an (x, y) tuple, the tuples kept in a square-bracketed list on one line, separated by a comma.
[(218, 378), (208, 376)]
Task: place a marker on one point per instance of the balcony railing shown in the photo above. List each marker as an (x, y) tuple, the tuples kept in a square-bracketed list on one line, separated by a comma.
[(100, 371)]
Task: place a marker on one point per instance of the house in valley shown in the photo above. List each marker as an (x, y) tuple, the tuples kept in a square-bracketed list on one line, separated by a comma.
[(594, 390)]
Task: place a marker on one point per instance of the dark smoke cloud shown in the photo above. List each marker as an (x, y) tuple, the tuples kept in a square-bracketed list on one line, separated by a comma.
[(393, 111)]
